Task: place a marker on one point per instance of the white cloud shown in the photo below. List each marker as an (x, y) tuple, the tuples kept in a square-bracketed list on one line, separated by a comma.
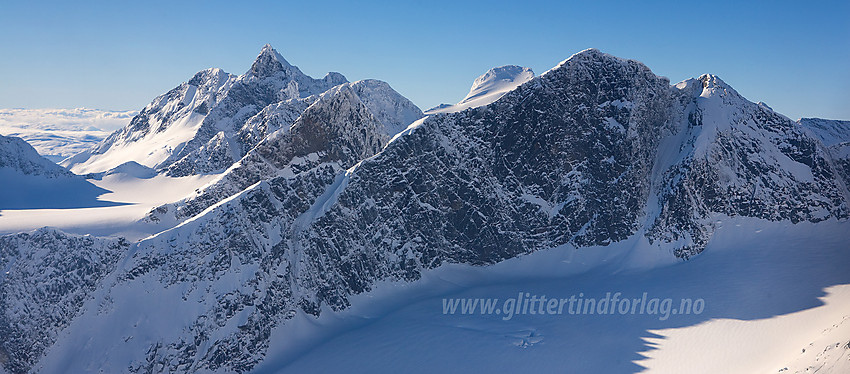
[(59, 133)]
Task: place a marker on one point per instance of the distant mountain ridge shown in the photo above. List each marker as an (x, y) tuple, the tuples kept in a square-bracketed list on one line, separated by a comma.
[(835, 135), (198, 127), (30, 181), (18, 155)]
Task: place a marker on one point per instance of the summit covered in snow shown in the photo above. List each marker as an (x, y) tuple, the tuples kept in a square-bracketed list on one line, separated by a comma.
[(202, 126), (488, 88)]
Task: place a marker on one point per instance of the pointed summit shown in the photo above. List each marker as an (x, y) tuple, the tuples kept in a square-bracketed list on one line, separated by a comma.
[(707, 86), (592, 57), (269, 62)]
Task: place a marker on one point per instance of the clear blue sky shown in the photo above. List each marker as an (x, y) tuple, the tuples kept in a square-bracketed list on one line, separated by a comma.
[(793, 55)]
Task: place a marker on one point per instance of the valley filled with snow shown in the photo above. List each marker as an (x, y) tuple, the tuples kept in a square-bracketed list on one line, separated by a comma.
[(114, 208), (777, 299)]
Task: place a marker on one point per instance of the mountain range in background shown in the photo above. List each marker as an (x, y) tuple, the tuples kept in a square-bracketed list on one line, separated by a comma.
[(303, 194)]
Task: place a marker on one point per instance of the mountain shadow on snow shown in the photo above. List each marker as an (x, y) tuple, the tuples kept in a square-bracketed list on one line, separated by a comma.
[(39, 192)]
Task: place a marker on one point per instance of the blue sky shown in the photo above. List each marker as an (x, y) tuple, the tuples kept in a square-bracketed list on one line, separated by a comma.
[(793, 55)]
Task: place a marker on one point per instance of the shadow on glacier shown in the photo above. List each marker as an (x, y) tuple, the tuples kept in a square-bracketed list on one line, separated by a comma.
[(744, 275), (39, 192)]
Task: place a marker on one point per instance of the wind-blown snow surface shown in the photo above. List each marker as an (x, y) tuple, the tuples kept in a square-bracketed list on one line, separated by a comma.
[(37, 192), (488, 88), (122, 200), (59, 133)]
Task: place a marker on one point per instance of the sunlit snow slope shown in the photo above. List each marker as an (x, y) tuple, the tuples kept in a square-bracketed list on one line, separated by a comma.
[(488, 88)]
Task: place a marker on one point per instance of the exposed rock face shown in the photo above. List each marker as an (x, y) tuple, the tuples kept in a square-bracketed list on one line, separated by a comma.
[(551, 162), (739, 158), (835, 136), (46, 277)]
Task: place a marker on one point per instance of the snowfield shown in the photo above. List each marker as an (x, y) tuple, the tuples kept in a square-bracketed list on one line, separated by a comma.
[(777, 296), (123, 200)]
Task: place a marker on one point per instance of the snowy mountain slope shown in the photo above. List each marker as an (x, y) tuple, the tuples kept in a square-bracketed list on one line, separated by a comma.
[(344, 125), (738, 158), (46, 277), (488, 88), (196, 123), (835, 135), (590, 154), (827, 353), (30, 181), (394, 111), (59, 133), (160, 129), (831, 132), (122, 197), (18, 155)]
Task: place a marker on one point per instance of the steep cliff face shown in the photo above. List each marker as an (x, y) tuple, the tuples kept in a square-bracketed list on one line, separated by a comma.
[(835, 136), (46, 278), (564, 158)]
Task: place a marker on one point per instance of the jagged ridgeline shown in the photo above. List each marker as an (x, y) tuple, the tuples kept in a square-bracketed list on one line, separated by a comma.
[(330, 191)]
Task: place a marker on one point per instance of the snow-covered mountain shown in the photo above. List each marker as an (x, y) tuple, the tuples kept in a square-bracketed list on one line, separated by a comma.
[(488, 88), (30, 181), (194, 128), (731, 156), (321, 204), (54, 271), (19, 156), (344, 125), (835, 136)]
